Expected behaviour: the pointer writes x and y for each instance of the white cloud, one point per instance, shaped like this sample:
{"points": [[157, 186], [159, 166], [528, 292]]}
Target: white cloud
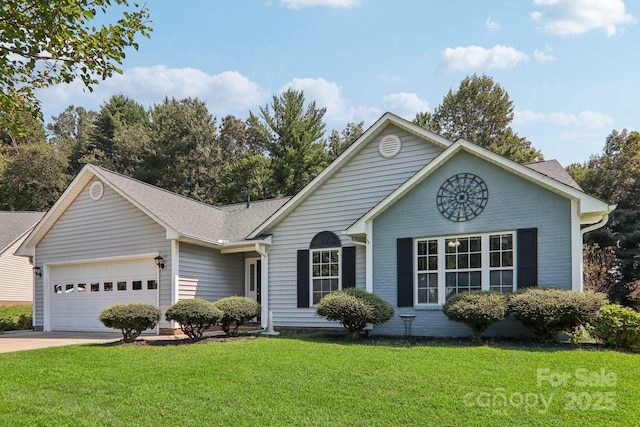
{"points": [[570, 17], [474, 57], [491, 25], [327, 94], [224, 93], [589, 120], [545, 55], [405, 104], [299, 4]]}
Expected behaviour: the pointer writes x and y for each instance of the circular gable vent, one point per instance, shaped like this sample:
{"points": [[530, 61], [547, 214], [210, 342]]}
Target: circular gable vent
{"points": [[96, 190], [389, 146]]}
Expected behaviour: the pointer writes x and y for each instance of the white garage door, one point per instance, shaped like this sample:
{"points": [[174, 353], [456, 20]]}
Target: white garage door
{"points": [[80, 292]]}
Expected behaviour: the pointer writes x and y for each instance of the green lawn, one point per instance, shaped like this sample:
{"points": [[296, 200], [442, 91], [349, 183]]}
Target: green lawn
{"points": [[297, 381], [10, 314]]}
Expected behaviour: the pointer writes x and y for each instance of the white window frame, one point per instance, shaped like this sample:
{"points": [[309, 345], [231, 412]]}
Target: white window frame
{"points": [[312, 277], [441, 271]]}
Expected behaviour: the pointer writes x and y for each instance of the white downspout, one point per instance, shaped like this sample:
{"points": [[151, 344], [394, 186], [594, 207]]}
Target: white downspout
{"points": [[595, 226], [266, 319]]}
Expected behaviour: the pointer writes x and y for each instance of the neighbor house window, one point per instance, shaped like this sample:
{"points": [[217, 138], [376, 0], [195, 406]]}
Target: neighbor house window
{"points": [[449, 265], [325, 272]]}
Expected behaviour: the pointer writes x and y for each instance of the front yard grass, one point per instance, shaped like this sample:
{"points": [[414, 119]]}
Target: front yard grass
{"points": [[301, 381]]}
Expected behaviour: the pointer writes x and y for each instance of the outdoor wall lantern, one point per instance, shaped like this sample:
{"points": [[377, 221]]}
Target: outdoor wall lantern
{"points": [[37, 271], [159, 262]]}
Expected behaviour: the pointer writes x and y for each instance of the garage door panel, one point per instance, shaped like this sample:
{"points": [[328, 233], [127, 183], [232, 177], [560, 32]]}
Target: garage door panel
{"points": [[80, 292]]}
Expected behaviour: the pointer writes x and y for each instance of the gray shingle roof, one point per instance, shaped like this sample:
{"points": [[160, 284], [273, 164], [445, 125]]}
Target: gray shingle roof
{"points": [[14, 225], [553, 169], [191, 218]]}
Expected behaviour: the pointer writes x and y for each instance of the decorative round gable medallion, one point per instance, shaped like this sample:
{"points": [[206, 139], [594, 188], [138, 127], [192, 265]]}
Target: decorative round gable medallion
{"points": [[96, 190], [389, 146], [462, 197]]}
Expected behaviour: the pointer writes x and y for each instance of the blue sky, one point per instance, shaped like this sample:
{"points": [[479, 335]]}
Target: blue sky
{"points": [[570, 66]]}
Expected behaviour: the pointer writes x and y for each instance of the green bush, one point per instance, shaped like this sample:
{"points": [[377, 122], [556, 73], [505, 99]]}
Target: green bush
{"points": [[355, 309], [236, 311], [476, 309], [14, 317], [548, 311], [194, 316], [617, 326], [131, 319], [382, 310]]}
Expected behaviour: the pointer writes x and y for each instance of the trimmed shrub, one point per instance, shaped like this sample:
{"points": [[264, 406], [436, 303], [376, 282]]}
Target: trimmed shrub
{"points": [[476, 309], [617, 326], [195, 316], [355, 309], [131, 319], [236, 311], [548, 311], [382, 310]]}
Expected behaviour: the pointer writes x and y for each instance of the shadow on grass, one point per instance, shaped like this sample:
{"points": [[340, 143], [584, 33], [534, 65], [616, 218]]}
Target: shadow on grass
{"points": [[341, 337]]}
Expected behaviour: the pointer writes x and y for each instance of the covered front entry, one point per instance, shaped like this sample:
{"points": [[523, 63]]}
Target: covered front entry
{"points": [[79, 292], [253, 282]]}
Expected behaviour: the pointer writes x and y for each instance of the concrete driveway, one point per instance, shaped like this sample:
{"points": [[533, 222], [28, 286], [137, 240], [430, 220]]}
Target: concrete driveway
{"points": [[30, 340]]}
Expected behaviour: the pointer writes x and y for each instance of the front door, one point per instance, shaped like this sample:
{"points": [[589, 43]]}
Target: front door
{"points": [[252, 278]]}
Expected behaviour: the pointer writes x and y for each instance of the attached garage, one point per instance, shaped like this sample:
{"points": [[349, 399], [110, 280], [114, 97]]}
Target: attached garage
{"points": [[79, 292]]}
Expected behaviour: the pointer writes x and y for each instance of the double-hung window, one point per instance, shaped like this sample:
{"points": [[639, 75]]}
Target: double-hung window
{"points": [[449, 265], [325, 272]]}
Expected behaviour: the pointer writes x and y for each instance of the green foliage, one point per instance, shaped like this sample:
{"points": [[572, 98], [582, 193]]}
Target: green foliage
{"points": [[183, 137], [549, 311], [617, 326], [382, 310], [71, 133], [236, 311], [293, 138], [46, 43], [355, 309], [33, 177], [480, 111], [614, 176], [339, 142], [131, 319], [195, 316], [476, 309]]}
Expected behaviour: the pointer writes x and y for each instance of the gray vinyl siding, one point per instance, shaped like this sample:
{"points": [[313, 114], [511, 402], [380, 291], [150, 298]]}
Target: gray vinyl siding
{"points": [[354, 189], [513, 203], [207, 274], [109, 227]]}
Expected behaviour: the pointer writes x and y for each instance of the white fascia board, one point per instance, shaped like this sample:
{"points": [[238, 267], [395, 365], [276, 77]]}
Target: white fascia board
{"points": [[384, 121], [587, 203], [131, 200], [68, 196]]}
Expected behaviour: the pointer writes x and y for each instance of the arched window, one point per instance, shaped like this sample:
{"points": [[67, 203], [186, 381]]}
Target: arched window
{"points": [[323, 268]]}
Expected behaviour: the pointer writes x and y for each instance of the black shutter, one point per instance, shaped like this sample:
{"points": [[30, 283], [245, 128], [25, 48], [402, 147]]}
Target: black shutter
{"points": [[348, 267], [527, 258], [405, 272], [303, 278]]}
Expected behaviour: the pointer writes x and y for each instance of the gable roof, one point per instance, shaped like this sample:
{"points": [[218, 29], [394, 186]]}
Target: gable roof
{"points": [[181, 217], [387, 119], [553, 169], [14, 225], [591, 211]]}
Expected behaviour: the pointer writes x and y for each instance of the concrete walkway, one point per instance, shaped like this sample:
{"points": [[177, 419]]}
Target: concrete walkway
{"points": [[30, 340]]}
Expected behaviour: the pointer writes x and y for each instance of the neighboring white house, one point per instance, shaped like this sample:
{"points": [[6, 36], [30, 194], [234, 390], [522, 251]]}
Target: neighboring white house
{"points": [[16, 274], [403, 213]]}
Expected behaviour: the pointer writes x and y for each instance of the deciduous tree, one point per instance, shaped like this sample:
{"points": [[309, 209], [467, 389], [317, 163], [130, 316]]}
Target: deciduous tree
{"points": [[48, 42]]}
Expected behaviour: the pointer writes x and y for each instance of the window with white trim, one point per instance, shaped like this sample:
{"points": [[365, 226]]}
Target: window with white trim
{"points": [[449, 265], [325, 272], [501, 262]]}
